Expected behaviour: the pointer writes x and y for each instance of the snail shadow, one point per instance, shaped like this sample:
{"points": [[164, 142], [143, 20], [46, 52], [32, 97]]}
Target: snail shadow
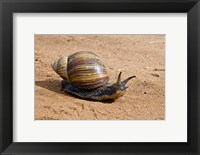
{"points": [[55, 86]]}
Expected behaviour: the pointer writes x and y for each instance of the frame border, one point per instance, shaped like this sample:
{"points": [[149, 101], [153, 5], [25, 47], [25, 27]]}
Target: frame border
{"points": [[8, 7]]}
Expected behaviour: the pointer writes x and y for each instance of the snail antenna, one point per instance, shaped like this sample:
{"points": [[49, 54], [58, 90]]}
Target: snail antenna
{"points": [[119, 78], [125, 81]]}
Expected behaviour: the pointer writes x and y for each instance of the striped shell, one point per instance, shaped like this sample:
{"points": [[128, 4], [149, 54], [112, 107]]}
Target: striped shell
{"points": [[82, 69], [60, 67]]}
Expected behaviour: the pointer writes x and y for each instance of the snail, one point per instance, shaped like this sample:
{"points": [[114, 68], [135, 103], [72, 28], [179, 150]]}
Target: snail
{"points": [[85, 76]]}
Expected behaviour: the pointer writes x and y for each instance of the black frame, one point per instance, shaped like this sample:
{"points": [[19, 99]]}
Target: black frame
{"points": [[8, 7]]}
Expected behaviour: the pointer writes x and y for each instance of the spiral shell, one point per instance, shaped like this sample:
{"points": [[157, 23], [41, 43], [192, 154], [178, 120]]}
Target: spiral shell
{"points": [[60, 67], [83, 69]]}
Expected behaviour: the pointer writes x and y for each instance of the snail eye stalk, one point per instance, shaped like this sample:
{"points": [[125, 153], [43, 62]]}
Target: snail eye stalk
{"points": [[119, 78], [125, 81]]}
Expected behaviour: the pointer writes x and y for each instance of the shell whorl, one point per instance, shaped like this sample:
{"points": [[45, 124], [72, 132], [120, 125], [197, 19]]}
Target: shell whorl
{"points": [[83, 69], [60, 67]]}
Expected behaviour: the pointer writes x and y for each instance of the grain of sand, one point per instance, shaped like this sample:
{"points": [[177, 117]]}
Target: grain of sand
{"points": [[139, 55]]}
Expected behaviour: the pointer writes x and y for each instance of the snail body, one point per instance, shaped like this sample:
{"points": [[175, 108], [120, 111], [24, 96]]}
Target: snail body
{"points": [[85, 76], [105, 92]]}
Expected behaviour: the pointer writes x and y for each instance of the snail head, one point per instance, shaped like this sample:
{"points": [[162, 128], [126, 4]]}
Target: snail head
{"points": [[121, 85]]}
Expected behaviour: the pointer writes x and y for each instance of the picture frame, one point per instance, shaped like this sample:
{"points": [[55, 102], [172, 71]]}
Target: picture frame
{"points": [[8, 7]]}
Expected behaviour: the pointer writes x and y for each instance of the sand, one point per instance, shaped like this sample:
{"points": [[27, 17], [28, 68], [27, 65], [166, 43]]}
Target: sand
{"points": [[139, 55]]}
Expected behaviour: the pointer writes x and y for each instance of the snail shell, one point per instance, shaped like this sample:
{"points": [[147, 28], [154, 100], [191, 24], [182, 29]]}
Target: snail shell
{"points": [[82, 69]]}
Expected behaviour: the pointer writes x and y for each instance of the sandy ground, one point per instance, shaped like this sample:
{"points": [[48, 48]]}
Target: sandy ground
{"points": [[139, 55]]}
